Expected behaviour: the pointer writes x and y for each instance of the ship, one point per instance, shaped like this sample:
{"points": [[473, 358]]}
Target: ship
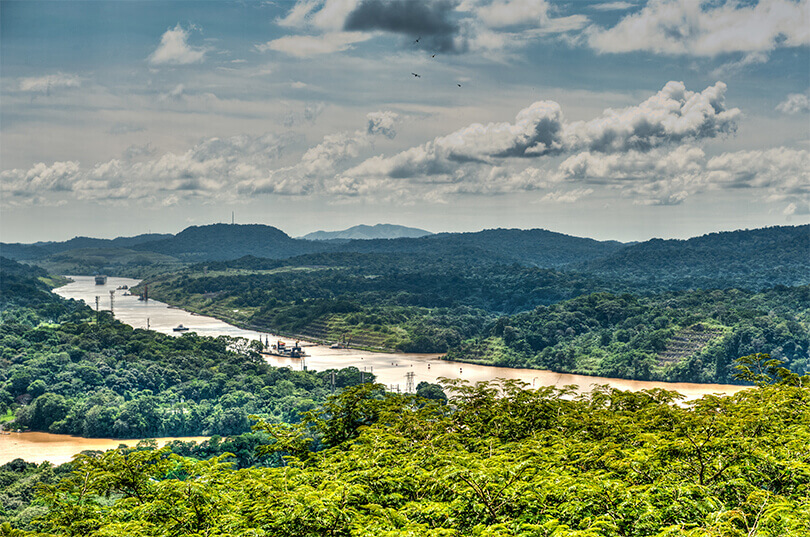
{"points": [[180, 328], [101, 279], [281, 349]]}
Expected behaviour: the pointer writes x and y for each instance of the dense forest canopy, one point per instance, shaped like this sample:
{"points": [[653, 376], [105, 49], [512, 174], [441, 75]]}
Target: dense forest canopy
{"points": [[495, 461]]}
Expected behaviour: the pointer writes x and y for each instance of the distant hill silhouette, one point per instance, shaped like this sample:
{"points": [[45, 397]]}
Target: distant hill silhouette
{"points": [[377, 231]]}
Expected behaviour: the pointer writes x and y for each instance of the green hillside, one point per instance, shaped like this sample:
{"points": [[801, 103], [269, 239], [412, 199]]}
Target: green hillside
{"points": [[685, 336]]}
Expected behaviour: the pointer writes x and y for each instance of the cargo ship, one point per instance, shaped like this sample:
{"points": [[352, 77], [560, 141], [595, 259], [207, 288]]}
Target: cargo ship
{"points": [[101, 279]]}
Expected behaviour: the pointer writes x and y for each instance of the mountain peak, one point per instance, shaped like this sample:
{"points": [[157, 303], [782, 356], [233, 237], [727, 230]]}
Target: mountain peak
{"points": [[365, 232]]}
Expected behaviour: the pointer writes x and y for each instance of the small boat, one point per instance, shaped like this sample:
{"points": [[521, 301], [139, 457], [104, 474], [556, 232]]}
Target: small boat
{"points": [[180, 328]]}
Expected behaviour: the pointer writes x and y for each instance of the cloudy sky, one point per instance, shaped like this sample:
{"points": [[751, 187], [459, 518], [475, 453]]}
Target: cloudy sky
{"points": [[608, 119]]}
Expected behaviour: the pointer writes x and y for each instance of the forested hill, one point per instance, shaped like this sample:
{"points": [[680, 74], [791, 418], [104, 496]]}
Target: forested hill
{"points": [[753, 259], [219, 242], [538, 247], [39, 250], [689, 336], [750, 259]]}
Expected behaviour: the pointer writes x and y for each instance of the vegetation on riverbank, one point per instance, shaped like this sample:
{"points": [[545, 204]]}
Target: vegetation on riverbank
{"points": [[471, 312], [69, 370], [398, 302], [496, 461], [687, 336]]}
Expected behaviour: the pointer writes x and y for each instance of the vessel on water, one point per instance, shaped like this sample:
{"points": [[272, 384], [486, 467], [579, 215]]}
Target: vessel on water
{"points": [[280, 348], [101, 279], [181, 328]]}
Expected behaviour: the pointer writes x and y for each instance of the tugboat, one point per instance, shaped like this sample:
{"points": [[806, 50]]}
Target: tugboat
{"points": [[101, 279], [180, 328]]}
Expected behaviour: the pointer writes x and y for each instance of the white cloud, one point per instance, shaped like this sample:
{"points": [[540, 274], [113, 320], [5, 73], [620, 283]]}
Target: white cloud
{"points": [[175, 93], [662, 178], [303, 46], [795, 103], [298, 15], [45, 84], [175, 50], [215, 168], [567, 196], [613, 6], [708, 27], [751, 58], [671, 116], [501, 13]]}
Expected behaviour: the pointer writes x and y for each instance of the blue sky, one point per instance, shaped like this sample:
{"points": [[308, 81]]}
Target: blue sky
{"points": [[615, 120]]}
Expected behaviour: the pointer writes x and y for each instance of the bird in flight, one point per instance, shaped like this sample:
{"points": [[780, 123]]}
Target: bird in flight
{"points": [[459, 85], [417, 39], [417, 76], [432, 55]]}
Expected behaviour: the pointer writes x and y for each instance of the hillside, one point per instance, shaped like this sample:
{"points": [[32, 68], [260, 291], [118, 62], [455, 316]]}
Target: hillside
{"points": [[218, 242], [690, 336], [39, 250], [112, 261], [363, 232], [537, 247], [754, 259]]}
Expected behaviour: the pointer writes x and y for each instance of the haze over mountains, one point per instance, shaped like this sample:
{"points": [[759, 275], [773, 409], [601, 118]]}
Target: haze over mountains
{"points": [[377, 231]]}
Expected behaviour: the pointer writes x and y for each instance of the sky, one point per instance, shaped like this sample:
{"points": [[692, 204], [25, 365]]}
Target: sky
{"points": [[621, 120]]}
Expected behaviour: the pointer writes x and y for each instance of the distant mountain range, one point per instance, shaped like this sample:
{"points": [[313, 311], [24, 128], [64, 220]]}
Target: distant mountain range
{"points": [[746, 258], [363, 232]]}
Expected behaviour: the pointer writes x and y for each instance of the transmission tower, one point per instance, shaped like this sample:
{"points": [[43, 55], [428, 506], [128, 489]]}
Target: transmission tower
{"points": [[112, 299], [409, 382]]}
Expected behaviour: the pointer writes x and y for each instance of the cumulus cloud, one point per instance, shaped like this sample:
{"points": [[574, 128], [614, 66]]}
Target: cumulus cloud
{"points": [[669, 178], [215, 168], [45, 84], [383, 123], [708, 27], [795, 103], [671, 116], [175, 50]]}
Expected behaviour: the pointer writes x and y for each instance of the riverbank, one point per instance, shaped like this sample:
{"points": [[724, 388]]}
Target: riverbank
{"points": [[391, 369], [61, 448]]}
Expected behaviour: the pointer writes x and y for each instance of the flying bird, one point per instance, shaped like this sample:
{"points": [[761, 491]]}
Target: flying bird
{"points": [[417, 76], [459, 85], [432, 55], [417, 39]]}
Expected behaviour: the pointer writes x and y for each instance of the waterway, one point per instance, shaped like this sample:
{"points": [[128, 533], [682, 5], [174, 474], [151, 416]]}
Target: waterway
{"points": [[390, 369], [60, 448]]}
